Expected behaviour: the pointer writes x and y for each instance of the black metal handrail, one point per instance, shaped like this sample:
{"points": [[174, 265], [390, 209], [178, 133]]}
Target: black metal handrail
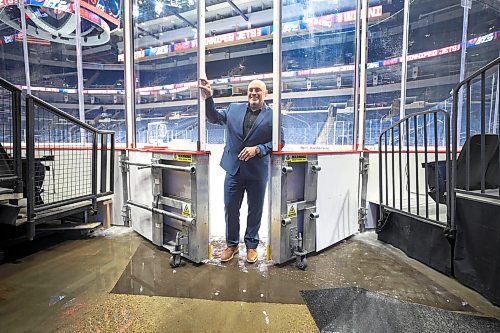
{"points": [[398, 135], [15, 92], [107, 145], [481, 73]]}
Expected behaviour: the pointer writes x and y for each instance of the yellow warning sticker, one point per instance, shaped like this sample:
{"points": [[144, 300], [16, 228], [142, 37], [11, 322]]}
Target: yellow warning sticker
{"points": [[296, 158], [292, 211], [183, 158], [186, 211]]}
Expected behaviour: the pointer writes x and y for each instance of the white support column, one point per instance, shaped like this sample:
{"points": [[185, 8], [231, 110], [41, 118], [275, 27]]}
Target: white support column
{"points": [[362, 75], [357, 58], [25, 48], [404, 60], [202, 128], [79, 68], [463, 53], [128, 45], [277, 68]]}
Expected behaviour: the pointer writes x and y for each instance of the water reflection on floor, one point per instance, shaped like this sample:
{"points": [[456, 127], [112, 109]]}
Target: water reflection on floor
{"points": [[65, 286], [352, 263]]}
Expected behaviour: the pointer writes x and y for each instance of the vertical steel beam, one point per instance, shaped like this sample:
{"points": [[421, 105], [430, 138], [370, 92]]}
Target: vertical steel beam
{"points": [[463, 54], [404, 56], [202, 135], [25, 48], [362, 73], [275, 186], [79, 68], [357, 59], [128, 44], [277, 68]]}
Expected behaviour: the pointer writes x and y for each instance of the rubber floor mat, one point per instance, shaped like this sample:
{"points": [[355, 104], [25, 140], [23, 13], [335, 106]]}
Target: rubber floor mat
{"points": [[356, 310]]}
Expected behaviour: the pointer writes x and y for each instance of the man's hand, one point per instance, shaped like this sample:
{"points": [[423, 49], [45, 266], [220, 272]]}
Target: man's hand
{"points": [[205, 88], [247, 153]]}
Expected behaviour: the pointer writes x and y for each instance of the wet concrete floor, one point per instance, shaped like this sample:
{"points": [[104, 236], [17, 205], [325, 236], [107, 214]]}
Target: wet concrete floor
{"points": [[352, 262], [117, 281]]}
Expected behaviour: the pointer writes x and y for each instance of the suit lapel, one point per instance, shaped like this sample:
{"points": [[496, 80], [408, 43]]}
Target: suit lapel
{"points": [[240, 118]]}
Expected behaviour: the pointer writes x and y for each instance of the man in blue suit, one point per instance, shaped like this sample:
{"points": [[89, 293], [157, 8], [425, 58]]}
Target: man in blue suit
{"points": [[246, 162]]}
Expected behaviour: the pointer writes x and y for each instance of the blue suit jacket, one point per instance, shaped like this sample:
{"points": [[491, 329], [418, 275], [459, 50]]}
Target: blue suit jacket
{"points": [[259, 135]]}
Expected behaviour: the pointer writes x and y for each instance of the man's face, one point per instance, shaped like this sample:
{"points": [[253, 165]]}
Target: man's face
{"points": [[256, 93]]}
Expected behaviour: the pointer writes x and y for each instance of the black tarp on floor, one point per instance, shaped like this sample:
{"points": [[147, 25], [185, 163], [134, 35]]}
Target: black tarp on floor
{"points": [[420, 240], [356, 310]]}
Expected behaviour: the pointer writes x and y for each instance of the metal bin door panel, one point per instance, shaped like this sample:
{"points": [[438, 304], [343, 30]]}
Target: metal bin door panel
{"points": [[295, 182], [176, 184]]}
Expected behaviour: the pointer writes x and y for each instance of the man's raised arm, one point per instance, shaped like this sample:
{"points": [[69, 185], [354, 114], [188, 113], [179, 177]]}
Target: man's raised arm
{"points": [[213, 116]]}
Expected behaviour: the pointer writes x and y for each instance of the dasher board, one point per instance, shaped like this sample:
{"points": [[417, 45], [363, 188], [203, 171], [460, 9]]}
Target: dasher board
{"points": [[337, 202]]}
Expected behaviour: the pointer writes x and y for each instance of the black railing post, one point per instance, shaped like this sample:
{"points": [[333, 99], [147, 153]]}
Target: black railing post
{"points": [[94, 170], [408, 177], [112, 164], [449, 186], [386, 171], [483, 128], [104, 161], [436, 158], [425, 170], [16, 131], [380, 189], [467, 135], [415, 132], [30, 156], [393, 174], [400, 136]]}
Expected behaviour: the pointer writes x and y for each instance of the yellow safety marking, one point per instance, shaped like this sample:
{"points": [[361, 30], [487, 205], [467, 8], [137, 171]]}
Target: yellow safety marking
{"points": [[183, 158], [292, 211], [186, 211], [296, 158], [268, 252], [209, 251]]}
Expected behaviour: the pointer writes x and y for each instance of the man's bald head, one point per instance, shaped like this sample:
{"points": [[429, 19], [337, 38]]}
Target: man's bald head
{"points": [[256, 93]]}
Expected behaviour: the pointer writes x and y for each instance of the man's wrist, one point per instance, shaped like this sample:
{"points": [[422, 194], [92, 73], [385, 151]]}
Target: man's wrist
{"points": [[257, 150]]}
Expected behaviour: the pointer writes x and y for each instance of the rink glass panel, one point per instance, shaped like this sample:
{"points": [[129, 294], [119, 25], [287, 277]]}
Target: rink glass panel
{"points": [[166, 80], [385, 47], [104, 99], [318, 54]]}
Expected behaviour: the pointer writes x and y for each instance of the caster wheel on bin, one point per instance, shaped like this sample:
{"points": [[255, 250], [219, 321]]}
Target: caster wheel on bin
{"points": [[175, 261], [302, 264]]}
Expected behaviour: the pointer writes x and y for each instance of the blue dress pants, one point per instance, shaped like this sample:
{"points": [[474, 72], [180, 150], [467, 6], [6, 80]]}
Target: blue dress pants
{"points": [[234, 189]]}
